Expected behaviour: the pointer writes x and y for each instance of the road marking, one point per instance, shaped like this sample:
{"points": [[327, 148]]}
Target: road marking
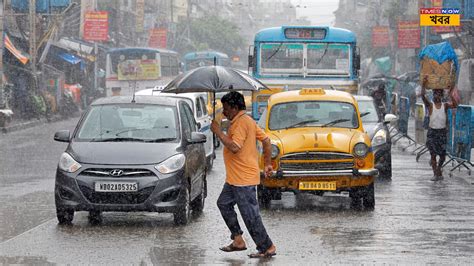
{"points": [[29, 230]]}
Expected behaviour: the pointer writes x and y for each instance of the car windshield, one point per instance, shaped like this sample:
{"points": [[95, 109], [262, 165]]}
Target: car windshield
{"points": [[129, 122], [368, 112], [313, 114]]}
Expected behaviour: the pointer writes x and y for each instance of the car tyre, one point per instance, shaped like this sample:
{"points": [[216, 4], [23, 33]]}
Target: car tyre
{"points": [[369, 197], [197, 205], [210, 162], [95, 217], [183, 213], [264, 197], [354, 194], [64, 216], [386, 173]]}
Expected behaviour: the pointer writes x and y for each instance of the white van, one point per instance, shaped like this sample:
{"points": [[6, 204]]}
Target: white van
{"points": [[203, 119]]}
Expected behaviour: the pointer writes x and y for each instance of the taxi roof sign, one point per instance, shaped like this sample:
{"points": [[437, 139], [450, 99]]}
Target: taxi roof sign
{"points": [[312, 91]]}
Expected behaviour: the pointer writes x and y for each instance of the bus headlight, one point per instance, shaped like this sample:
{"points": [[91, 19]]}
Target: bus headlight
{"points": [[360, 150], [379, 138]]}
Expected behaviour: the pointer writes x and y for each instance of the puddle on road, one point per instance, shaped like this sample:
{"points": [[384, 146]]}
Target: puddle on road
{"points": [[24, 261]]}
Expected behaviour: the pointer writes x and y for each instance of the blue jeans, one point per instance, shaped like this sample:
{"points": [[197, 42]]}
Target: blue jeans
{"points": [[246, 199]]}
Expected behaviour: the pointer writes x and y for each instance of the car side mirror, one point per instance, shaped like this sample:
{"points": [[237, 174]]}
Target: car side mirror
{"points": [[197, 137], [62, 136], [389, 118]]}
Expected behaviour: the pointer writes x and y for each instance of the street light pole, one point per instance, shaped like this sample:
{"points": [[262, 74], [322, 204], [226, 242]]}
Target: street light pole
{"points": [[32, 9]]}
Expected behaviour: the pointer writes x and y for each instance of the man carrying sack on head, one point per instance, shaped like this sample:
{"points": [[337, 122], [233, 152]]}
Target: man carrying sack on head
{"points": [[437, 131]]}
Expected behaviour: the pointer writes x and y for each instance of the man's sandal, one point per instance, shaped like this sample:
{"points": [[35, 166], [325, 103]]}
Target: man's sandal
{"points": [[232, 248]]}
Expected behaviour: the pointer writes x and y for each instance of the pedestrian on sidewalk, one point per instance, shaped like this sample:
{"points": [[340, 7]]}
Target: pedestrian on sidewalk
{"points": [[437, 131], [242, 176]]}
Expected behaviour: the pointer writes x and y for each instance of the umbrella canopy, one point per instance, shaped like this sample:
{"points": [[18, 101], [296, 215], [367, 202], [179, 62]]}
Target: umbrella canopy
{"points": [[213, 79]]}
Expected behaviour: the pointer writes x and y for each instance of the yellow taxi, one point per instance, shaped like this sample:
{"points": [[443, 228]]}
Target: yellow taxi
{"points": [[318, 145]]}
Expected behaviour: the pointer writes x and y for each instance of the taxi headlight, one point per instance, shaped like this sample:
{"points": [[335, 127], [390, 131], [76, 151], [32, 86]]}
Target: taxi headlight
{"points": [[275, 151], [361, 150], [172, 164], [68, 164], [379, 138]]}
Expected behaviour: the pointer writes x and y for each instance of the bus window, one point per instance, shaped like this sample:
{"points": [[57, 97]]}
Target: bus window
{"points": [[282, 58], [174, 64], [165, 65], [329, 57]]}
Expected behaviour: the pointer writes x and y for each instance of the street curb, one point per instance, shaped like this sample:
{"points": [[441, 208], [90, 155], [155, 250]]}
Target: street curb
{"points": [[33, 123]]}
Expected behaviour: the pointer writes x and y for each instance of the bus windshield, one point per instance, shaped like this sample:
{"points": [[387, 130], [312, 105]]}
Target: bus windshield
{"points": [[305, 59]]}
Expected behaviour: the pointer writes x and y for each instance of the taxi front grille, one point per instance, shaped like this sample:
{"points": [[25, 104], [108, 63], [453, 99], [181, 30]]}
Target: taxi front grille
{"points": [[314, 166], [318, 156]]}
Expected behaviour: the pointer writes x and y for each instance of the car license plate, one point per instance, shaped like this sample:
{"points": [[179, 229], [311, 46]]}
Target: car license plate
{"points": [[317, 186], [116, 187]]}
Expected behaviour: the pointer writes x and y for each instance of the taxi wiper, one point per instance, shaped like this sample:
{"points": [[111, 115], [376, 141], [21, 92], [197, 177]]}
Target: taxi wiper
{"points": [[337, 121], [364, 114], [117, 139], [302, 123], [159, 140]]}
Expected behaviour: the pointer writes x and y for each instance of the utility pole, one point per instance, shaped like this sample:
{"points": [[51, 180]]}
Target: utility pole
{"points": [[2, 100], [32, 9]]}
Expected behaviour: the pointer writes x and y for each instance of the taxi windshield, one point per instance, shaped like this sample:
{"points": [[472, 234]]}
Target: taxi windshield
{"points": [[130, 122], [368, 112], [313, 114]]}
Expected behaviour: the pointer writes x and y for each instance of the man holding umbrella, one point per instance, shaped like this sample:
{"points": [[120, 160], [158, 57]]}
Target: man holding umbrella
{"points": [[242, 176]]}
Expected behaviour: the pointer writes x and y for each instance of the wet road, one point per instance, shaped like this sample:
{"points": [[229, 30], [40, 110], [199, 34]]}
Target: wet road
{"points": [[414, 221]]}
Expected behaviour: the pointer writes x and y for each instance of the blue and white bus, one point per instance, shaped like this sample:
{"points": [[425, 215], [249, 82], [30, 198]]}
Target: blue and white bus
{"points": [[295, 57], [205, 58], [140, 68]]}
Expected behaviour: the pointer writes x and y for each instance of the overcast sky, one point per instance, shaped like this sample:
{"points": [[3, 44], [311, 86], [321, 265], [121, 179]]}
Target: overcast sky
{"points": [[319, 12]]}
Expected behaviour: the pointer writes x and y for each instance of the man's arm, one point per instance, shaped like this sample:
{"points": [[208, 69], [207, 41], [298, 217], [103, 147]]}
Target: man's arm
{"points": [[225, 139], [267, 156], [453, 103], [423, 93]]}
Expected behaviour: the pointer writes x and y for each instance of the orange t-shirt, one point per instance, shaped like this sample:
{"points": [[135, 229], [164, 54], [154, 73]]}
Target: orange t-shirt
{"points": [[242, 167]]}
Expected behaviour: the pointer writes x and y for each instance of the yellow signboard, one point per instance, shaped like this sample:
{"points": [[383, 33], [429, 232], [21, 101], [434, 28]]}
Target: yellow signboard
{"points": [[138, 70], [440, 20]]}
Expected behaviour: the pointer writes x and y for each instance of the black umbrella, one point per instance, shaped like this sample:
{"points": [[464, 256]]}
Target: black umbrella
{"points": [[213, 79]]}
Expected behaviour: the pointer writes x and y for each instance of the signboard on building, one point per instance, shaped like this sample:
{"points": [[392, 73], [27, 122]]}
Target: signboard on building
{"points": [[157, 38], [408, 34], [140, 16], [380, 36], [96, 26]]}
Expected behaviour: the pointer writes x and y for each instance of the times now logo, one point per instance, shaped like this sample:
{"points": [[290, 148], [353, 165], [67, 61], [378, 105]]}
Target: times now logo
{"points": [[444, 11]]}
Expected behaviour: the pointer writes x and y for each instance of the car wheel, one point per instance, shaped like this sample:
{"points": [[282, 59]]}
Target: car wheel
{"points": [[264, 197], [182, 214], [386, 173], [198, 203], [217, 143], [369, 197], [354, 194], [95, 217], [65, 216], [210, 162]]}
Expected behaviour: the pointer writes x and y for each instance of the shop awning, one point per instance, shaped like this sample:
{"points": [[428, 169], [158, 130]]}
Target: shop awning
{"points": [[72, 59], [17, 53]]}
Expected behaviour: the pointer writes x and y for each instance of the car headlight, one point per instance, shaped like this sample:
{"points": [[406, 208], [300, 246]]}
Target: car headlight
{"points": [[172, 164], [379, 138], [361, 150], [275, 151], [68, 164]]}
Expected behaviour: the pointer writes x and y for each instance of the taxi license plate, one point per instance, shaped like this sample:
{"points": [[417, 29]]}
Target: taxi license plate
{"points": [[116, 187], [317, 186]]}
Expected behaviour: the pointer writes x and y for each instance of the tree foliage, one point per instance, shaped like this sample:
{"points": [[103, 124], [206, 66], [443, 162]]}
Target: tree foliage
{"points": [[209, 33]]}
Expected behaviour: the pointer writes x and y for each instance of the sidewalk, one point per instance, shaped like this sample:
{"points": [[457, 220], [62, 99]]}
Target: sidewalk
{"points": [[19, 124]]}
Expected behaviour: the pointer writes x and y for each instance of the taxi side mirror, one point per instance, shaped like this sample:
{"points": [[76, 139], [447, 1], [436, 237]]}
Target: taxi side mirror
{"points": [[389, 118]]}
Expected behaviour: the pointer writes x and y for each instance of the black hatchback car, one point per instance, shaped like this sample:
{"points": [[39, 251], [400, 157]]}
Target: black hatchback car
{"points": [[141, 155], [375, 125]]}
